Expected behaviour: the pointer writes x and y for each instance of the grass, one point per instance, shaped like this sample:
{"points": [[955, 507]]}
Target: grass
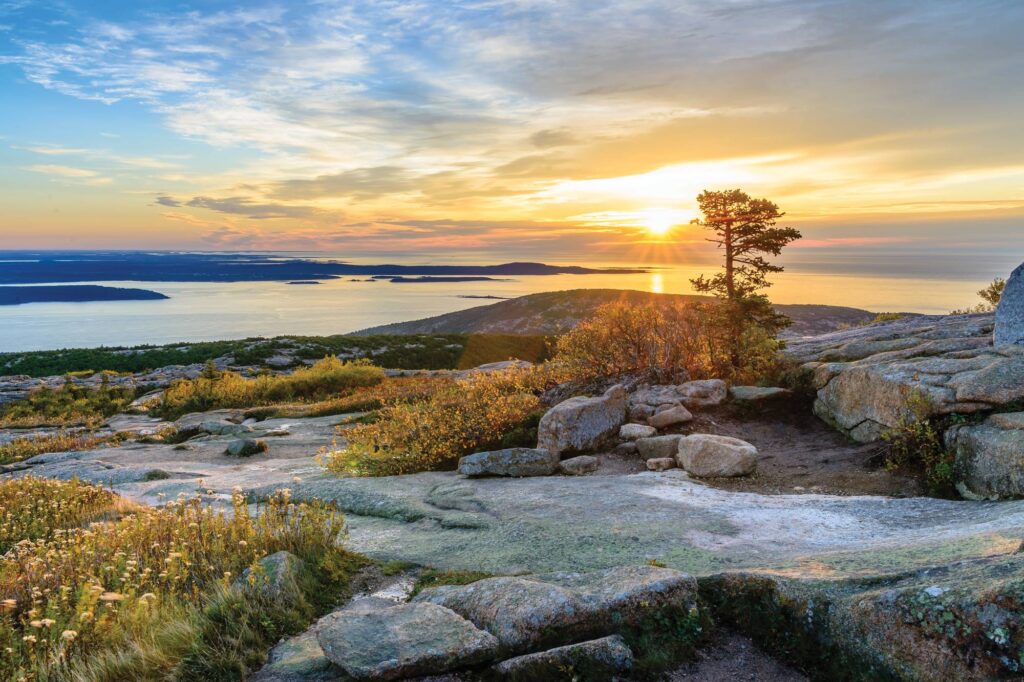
{"points": [[93, 588], [70, 405], [432, 577], [214, 389], [22, 448]]}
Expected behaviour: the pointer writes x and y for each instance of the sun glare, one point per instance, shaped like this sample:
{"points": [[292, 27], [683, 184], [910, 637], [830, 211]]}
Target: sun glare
{"points": [[660, 221]]}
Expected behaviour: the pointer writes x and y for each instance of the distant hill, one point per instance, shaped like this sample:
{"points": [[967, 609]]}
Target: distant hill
{"points": [[555, 312], [73, 293]]}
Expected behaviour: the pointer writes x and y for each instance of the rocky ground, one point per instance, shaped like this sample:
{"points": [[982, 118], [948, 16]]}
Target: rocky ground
{"points": [[819, 556]]}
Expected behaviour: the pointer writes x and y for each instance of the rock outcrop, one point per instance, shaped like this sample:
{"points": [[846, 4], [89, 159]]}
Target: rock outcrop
{"points": [[1009, 329], [989, 457], [582, 424]]}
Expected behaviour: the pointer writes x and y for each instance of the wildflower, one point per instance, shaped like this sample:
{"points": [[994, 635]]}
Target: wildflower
{"points": [[68, 635], [111, 597]]}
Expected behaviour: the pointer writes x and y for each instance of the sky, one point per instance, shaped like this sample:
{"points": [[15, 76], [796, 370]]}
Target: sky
{"points": [[496, 130]]}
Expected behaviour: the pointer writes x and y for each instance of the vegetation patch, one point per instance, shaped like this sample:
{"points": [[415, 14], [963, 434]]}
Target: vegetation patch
{"points": [[432, 577], [144, 595], [215, 389], [69, 405], [916, 442], [20, 449], [458, 418]]}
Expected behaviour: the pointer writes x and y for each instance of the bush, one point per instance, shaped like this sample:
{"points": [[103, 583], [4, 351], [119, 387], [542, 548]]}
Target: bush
{"points": [[362, 399], [699, 337], [916, 441], [22, 448], [67, 406], [458, 418], [215, 389], [134, 597]]}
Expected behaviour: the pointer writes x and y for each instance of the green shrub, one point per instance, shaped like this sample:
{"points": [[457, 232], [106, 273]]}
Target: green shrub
{"points": [[916, 441]]}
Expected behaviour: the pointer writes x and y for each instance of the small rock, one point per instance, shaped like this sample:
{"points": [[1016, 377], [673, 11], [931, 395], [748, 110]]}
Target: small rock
{"points": [[577, 466], [634, 431], [935, 591], [245, 447], [598, 659], [758, 394], [625, 449], [714, 456], [640, 412], [670, 417], [371, 642], [658, 446], [277, 574], [661, 464], [515, 462]]}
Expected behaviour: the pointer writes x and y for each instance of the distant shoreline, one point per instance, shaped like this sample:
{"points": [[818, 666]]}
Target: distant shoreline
{"points": [[74, 293], [45, 267]]}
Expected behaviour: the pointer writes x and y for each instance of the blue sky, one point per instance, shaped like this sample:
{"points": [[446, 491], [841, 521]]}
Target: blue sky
{"points": [[567, 129]]}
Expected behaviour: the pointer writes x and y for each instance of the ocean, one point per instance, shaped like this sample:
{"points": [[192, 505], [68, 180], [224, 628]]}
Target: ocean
{"points": [[203, 311]]}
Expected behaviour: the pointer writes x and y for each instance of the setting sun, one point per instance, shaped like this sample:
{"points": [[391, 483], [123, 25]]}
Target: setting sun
{"points": [[660, 221]]}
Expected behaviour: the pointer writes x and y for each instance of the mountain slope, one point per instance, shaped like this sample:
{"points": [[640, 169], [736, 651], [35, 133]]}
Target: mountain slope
{"points": [[554, 312]]}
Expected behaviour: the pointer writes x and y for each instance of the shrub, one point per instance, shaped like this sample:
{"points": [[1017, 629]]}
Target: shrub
{"points": [[132, 598], [362, 399], [215, 389], [915, 441], [67, 406], [698, 337], [456, 419], [22, 448]]}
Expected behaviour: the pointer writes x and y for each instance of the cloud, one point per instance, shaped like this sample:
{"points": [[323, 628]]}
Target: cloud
{"points": [[165, 200], [357, 183], [63, 171], [257, 211]]}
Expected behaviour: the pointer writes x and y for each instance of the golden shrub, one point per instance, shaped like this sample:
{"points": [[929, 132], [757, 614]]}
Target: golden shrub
{"points": [[432, 433]]}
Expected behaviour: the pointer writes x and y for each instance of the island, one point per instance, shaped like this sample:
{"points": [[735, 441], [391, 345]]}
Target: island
{"points": [[74, 293]]}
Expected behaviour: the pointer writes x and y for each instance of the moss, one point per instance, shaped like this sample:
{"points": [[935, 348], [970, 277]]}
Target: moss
{"points": [[432, 577], [667, 637]]}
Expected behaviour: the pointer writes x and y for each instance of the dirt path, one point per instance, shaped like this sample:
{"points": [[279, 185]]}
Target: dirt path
{"points": [[731, 659], [799, 454]]}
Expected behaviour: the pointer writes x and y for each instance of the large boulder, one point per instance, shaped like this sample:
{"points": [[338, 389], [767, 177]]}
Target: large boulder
{"points": [[712, 456], [535, 612], [581, 424], [370, 641], [658, 446], [989, 457], [599, 659], [516, 462], [1009, 329]]}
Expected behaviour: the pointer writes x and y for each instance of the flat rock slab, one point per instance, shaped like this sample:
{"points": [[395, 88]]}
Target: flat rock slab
{"points": [[536, 525], [371, 642]]}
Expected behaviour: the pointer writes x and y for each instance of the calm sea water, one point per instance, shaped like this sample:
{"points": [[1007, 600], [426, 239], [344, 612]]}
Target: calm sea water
{"points": [[213, 311]]}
